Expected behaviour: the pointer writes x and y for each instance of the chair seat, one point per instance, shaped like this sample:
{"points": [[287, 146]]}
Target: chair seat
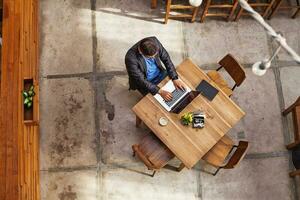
{"points": [[217, 155], [221, 83], [155, 151]]}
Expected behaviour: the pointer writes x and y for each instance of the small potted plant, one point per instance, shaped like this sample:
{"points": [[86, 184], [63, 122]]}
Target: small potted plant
{"points": [[28, 102], [187, 119]]}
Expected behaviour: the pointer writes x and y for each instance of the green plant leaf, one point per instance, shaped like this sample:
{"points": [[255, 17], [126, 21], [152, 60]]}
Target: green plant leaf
{"points": [[25, 94], [190, 118], [30, 98], [29, 104], [26, 100], [31, 88], [30, 93]]}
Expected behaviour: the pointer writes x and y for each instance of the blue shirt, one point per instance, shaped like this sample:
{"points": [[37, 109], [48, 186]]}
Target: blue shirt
{"points": [[152, 69]]}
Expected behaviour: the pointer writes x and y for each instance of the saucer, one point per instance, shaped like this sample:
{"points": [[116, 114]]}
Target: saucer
{"points": [[163, 121]]}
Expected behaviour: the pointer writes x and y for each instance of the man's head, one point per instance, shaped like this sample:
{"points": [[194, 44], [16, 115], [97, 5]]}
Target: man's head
{"points": [[148, 47]]}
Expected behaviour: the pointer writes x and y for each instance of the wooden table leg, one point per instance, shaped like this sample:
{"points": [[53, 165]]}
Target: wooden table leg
{"points": [[181, 166], [153, 4], [138, 121]]}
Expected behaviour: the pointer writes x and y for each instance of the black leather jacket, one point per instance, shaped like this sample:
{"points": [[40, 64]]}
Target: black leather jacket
{"points": [[137, 69]]}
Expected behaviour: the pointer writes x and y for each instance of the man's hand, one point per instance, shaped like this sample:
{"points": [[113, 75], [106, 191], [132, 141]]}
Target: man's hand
{"points": [[178, 84], [167, 96]]}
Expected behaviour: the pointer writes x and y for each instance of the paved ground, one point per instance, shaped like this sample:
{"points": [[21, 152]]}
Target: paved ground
{"points": [[87, 127]]}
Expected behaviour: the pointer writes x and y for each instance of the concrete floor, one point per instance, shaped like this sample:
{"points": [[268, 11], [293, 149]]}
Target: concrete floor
{"points": [[87, 126]]}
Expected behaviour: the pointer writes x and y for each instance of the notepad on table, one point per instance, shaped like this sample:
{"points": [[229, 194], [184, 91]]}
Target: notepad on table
{"points": [[207, 90]]}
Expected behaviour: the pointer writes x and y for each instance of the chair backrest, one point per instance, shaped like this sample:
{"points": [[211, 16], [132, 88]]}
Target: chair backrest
{"points": [[234, 69], [294, 106], [153, 152], [238, 155]]}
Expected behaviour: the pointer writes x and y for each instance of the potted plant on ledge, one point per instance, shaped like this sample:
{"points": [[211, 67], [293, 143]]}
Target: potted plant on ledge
{"points": [[28, 95]]}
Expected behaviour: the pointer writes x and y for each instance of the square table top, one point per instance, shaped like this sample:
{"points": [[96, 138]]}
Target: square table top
{"points": [[187, 143]]}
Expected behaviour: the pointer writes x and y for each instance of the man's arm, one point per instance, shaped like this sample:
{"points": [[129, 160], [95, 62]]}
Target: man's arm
{"points": [[165, 58], [135, 73]]}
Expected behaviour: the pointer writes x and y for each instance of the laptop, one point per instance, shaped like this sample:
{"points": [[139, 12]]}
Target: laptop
{"points": [[182, 98], [178, 96]]}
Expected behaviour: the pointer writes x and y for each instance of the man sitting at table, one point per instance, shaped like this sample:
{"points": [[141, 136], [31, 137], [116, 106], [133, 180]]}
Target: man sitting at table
{"points": [[143, 64]]}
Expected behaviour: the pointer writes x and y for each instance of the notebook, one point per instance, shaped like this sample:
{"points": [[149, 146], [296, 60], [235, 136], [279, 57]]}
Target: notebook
{"points": [[207, 90]]}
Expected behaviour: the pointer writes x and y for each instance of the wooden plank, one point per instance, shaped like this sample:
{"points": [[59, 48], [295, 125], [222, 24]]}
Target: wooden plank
{"points": [[19, 164], [12, 125]]}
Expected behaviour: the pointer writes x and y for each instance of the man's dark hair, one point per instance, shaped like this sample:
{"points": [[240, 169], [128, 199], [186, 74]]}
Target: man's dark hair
{"points": [[148, 47]]}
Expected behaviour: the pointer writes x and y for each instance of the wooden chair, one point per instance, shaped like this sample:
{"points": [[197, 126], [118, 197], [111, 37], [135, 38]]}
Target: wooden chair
{"points": [[234, 69], [295, 109], [278, 5], [266, 7], [153, 153], [218, 154], [170, 7], [208, 5]]}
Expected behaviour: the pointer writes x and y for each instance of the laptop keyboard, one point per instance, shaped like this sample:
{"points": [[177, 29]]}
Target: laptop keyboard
{"points": [[176, 94]]}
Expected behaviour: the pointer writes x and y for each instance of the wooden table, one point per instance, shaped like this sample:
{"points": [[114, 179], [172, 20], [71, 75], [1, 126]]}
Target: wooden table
{"points": [[189, 144]]}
